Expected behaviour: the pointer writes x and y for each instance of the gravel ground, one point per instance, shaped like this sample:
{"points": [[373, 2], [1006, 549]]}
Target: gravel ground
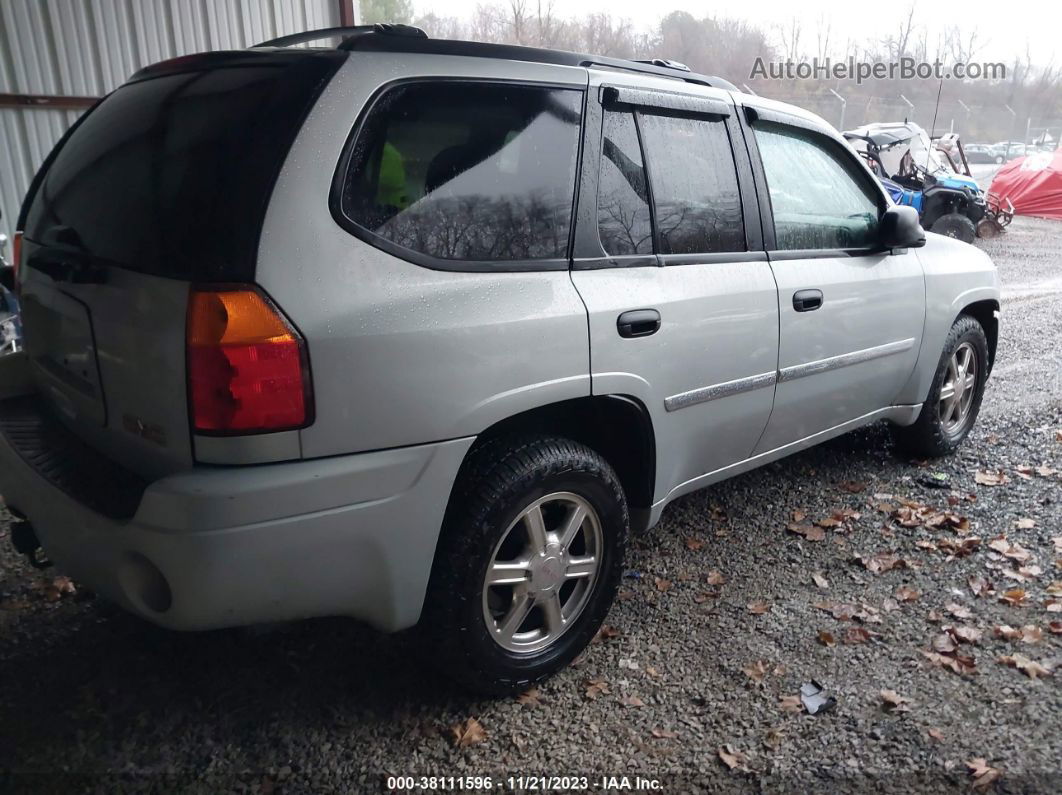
{"points": [[93, 699]]}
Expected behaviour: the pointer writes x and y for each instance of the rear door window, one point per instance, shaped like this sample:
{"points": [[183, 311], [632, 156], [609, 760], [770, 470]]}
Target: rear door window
{"points": [[452, 172], [694, 184], [623, 218]]}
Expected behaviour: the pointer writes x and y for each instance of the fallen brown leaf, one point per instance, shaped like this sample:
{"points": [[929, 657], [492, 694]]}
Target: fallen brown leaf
{"points": [[1015, 597], [662, 585], [856, 635], [979, 586], [632, 701], [957, 610], [790, 704], [715, 578], [529, 698], [907, 594], [1053, 605], [1025, 523], [809, 532], [983, 775], [1055, 589], [733, 759], [596, 687], [758, 607], [997, 478], [468, 733], [964, 634], [957, 663], [853, 486], [607, 632], [892, 701], [756, 671], [936, 734], [694, 543], [826, 638], [820, 581], [772, 740], [664, 734], [943, 643], [1030, 668], [1054, 627], [882, 562], [958, 547]]}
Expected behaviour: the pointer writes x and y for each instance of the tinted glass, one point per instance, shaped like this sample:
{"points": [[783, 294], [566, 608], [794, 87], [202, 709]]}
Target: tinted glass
{"points": [[622, 199], [818, 199], [467, 171], [694, 181], [171, 175]]}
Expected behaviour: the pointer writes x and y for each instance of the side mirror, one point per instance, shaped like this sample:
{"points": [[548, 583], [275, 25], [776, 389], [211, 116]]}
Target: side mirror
{"points": [[900, 228]]}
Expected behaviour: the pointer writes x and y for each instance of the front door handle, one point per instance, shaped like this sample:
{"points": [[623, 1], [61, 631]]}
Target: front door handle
{"points": [[638, 323], [807, 300]]}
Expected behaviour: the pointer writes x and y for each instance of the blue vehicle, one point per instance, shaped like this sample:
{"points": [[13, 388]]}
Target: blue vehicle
{"points": [[923, 174]]}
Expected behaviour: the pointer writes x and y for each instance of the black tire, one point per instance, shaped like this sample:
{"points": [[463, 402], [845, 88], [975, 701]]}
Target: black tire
{"points": [[497, 483], [928, 437], [957, 226]]}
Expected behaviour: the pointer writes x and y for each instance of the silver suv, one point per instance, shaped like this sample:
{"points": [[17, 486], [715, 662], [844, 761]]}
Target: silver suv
{"points": [[417, 331]]}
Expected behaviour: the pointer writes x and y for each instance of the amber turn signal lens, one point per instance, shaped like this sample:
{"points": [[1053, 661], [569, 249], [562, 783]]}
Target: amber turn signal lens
{"points": [[247, 365]]}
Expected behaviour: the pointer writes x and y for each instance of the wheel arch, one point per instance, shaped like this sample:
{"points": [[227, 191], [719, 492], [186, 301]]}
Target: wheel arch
{"points": [[616, 426], [986, 313]]}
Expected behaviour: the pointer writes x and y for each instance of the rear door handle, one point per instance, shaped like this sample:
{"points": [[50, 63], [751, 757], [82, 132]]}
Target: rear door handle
{"points": [[638, 323], [807, 300]]}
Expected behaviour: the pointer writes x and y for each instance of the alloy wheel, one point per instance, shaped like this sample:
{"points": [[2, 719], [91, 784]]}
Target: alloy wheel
{"points": [[542, 572]]}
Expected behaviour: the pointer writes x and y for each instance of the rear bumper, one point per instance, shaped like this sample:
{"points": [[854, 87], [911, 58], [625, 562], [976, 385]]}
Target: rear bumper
{"points": [[228, 546]]}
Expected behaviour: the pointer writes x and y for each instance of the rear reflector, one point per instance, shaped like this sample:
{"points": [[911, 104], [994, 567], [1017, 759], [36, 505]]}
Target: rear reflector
{"points": [[247, 366]]}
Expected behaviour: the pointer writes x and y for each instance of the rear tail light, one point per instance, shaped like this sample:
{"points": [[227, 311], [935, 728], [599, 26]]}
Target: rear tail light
{"points": [[248, 371]]}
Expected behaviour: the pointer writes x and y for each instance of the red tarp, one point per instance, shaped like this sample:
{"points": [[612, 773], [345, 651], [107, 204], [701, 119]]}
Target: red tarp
{"points": [[1033, 184]]}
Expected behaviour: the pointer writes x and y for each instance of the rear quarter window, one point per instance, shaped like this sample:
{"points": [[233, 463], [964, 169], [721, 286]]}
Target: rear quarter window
{"points": [[456, 172]]}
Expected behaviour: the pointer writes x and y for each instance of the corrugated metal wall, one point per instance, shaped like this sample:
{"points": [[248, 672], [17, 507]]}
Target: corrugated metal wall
{"points": [[88, 47]]}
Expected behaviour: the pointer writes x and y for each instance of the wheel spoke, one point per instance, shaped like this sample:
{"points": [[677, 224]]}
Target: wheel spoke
{"points": [[551, 611], [572, 526], [580, 567], [536, 529], [508, 572], [970, 383], [522, 604], [947, 392]]}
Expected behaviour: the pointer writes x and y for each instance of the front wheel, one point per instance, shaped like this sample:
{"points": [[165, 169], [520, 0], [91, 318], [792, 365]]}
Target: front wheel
{"points": [[955, 395], [528, 563]]}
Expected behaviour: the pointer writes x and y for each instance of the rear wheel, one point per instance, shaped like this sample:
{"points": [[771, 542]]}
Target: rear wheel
{"points": [[528, 563], [955, 395], [957, 226]]}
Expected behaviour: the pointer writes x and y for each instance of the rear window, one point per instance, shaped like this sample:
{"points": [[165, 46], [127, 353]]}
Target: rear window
{"points": [[171, 175], [459, 171]]}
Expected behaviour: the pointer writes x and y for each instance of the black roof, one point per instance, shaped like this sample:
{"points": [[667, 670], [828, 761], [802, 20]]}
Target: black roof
{"points": [[408, 39]]}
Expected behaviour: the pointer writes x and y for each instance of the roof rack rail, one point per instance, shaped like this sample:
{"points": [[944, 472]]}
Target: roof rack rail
{"points": [[383, 37], [667, 63], [346, 31]]}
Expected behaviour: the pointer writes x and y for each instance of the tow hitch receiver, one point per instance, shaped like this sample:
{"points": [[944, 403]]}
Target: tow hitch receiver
{"points": [[26, 542]]}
